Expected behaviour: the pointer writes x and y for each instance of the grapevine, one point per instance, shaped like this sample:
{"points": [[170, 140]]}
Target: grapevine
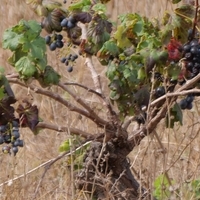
{"points": [[145, 61]]}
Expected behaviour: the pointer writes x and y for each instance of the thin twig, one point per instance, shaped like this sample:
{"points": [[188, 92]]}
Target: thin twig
{"points": [[85, 87], [46, 164], [58, 128]]}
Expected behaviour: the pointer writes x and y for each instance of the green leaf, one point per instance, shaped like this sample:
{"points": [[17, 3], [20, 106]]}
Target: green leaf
{"points": [[127, 73], [25, 67], [79, 5], [111, 70], [175, 1], [2, 70], [176, 115], [99, 8], [2, 94], [35, 26], [138, 28], [16, 56], [65, 146], [141, 74], [161, 186], [120, 36], [110, 47], [11, 40], [49, 77]]}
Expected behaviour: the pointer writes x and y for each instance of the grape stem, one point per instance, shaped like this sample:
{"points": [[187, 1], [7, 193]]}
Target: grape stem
{"points": [[195, 18]]}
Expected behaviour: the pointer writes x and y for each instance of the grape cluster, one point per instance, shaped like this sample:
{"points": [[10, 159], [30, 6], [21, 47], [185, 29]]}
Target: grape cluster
{"points": [[186, 103], [68, 23], [9, 134], [68, 61], [191, 56], [54, 41]]}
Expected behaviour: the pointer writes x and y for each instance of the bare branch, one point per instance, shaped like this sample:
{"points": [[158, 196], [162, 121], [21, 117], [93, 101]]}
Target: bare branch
{"points": [[74, 131], [85, 87], [101, 95], [91, 115], [95, 76], [95, 117], [88, 61]]}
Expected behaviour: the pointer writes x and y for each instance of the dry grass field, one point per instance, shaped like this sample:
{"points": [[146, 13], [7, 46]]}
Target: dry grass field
{"points": [[178, 156]]}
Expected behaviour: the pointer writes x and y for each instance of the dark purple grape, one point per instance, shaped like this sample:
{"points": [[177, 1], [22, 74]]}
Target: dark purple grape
{"points": [[52, 46], [189, 106], [190, 99], [70, 25], [194, 50], [15, 134], [160, 91], [74, 57], [183, 104], [190, 65], [3, 128], [14, 150], [48, 39], [66, 62], [194, 42], [1, 139], [190, 34], [186, 48], [62, 60], [70, 69], [64, 22], [7, 138], [188, 55], [59, 44], [15, 124], [72, 20], [18, 143], [69, 57], [59, 37], [197, 65]]}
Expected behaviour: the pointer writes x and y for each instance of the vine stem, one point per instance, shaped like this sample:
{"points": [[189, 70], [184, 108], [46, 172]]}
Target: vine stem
{"points": [[195, 18], [88, 60]]}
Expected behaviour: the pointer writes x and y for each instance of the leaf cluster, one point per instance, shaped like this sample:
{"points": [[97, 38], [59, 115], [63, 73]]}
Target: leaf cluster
{"points": [[29, 52]]}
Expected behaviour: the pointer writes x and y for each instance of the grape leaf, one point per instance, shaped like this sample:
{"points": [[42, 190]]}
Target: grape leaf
{"points": [[35, 26], [16, 56], [83, 17], [79, 5], [110, 48], [175, 1], [11, 40], [122, 40], [176, 115], [99, 8], [28, 114], [65, 146], [25, 67], [49, 77]]}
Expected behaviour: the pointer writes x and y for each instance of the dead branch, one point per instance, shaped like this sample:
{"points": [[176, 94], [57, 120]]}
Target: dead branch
{"points": [[57, 128], [91, 115]]}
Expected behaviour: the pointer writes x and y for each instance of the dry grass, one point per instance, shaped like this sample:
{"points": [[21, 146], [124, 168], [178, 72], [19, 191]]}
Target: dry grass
{"points": [[182, 157]]}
